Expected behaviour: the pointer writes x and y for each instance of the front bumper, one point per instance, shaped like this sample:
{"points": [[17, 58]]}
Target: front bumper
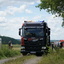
{"points": [[33, 50], [23, 51]]}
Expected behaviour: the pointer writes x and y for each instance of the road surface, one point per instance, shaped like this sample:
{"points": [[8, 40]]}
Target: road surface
{"points": [[28, 61], [33, 60], [5, 60]]}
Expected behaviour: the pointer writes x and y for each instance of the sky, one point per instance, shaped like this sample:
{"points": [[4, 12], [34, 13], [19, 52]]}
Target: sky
{"points": [[14, 12]]}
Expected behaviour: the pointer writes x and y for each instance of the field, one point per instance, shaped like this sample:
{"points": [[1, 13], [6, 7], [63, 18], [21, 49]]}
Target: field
{"points": [[5, 52], [16, 47]]}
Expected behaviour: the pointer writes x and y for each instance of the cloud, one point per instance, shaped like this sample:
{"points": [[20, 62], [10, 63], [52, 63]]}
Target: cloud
{"points": [[37, 17], [2, 13], [11, 9], [3, 22], [3, 25], [11, 26], [2, 19], [28, 11], [38, 1], [17, 2], [56, 28], [13, 23]]}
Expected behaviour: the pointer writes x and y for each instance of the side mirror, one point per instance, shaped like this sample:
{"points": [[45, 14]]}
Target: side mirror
{"points": [[20, 31], [48, 31]]}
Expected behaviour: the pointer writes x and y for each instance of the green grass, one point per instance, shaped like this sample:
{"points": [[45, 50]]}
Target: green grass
{"points": [[20, 60], [54, 57], [5, 52], [17, 47]]}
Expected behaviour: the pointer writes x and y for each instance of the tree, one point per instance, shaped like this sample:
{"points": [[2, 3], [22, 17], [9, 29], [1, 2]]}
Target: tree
{"points": [[53, 6]]}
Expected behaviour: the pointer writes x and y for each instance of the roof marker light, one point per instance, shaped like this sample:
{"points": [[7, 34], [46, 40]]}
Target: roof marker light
{"points": [[40, 21], [29, 21]]}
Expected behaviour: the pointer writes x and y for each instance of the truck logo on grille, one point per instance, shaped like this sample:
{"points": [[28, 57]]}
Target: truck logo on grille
{"points": [[35, 40]]}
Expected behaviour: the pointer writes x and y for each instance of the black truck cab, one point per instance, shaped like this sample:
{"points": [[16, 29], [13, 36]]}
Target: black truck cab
{"points": [[35, 37]]}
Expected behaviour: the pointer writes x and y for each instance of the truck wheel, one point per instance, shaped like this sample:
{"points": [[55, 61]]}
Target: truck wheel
{"points": [[24, 54]]}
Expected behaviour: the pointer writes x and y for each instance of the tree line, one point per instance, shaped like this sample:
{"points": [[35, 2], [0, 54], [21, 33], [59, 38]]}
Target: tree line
{"points": [[6, 39]]}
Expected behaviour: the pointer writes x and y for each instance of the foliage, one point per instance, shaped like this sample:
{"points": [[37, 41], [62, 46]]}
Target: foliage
{"points": [[6, 39], [53, 57], [6, 52], [53, 6], [1, 54]]}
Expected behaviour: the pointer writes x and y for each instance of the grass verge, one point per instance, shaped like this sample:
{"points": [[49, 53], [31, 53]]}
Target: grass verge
{"points": [[5, 52], [54, 57]]}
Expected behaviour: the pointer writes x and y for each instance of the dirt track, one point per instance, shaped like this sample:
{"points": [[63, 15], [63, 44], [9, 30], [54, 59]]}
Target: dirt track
{"points": [[5, 60], [32, 61]]}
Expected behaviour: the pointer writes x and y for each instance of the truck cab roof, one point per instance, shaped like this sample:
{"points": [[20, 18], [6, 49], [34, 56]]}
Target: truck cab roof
{"points": [[31, 23]]}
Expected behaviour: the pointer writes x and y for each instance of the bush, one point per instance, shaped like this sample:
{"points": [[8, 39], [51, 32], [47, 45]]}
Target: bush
{"points": [[53, 57], [1, 54], [6, 52]]}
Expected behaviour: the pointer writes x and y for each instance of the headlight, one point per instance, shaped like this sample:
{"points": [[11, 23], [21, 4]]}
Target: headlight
{"points": [[41, 38], [43, 47], [22, 47]]}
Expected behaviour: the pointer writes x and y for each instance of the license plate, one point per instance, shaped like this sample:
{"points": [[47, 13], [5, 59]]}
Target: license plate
{"points": [[35, 40], [32, 52]]}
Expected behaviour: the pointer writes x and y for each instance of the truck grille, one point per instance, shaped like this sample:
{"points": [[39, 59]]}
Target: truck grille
{"points": [[34, 46]]}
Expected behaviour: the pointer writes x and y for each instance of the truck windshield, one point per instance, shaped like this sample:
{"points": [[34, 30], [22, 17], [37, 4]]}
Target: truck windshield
{"points": [[33, 32]]}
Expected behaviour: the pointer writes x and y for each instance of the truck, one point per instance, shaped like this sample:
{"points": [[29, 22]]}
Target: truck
{"points": [[35, 37], [61, 43]]}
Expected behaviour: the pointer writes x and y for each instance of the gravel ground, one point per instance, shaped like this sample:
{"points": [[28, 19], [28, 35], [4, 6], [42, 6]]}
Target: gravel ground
{"points": [[33, 60]]}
